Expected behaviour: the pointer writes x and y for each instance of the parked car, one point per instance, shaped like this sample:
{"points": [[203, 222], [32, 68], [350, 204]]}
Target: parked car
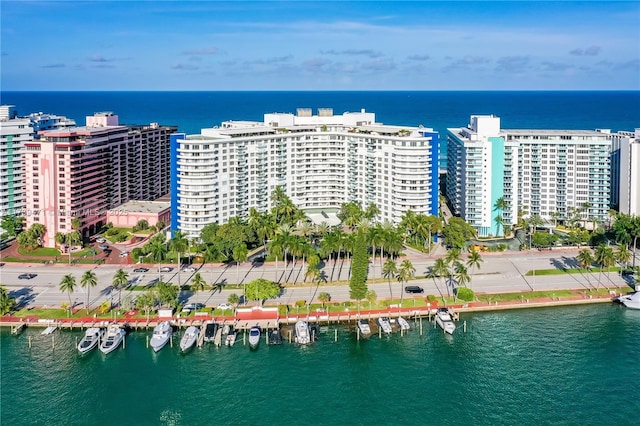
{"points": [[193, 306], [103, 247], [101, 240], [141, 270], [27, 276], [166, 269], [627, 272], [225, 306], [413, 289], [124, 254]]}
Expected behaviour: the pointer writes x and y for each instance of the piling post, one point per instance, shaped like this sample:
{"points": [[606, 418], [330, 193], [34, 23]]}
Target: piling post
{"points": [[313, 335], [289, 336], [147, 341], [29, 342], [171, 341], [76, 341], [421, 326], [357, 333], [464, 326], [380, 332], [244, 337], [335, 335], [124, 342], [53, 341], [266, 337]]}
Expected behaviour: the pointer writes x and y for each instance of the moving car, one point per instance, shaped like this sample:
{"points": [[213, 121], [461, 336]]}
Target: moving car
{"points": [[225, 306], [166, 269], [189, 269], [27, 276], [413, 289], [141, 270]]}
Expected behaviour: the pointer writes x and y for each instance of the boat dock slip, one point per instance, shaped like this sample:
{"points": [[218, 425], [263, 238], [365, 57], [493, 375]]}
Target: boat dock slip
{"points": [[217, 340], [49, 330], [18, 328]]}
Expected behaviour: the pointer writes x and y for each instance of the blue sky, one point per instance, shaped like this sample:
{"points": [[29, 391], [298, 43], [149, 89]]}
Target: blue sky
{"points": [[305, 45]]}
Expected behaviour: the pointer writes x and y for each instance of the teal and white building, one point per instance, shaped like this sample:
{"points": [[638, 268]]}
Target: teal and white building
{"points": [[320, 161], [549, 173], [625, 172]]}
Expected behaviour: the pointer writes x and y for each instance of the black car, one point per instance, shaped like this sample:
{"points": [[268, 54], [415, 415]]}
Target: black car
{"points": [[627, 272], [141, 270], [413, 289], [27, 276]]}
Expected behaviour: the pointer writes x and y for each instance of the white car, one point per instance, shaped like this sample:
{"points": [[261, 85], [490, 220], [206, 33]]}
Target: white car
{"points": [[101, 240], [225, 306], [189, 269]]}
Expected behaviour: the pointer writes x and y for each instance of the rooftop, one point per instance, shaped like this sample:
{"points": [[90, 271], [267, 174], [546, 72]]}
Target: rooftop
{"points": [[144, 206]]}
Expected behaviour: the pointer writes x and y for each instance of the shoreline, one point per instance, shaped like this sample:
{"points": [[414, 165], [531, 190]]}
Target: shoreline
{"points": [[315, 317]]}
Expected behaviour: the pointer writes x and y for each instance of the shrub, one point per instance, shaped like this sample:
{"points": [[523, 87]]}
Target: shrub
{"points": [[301, 303], [431, 298], [465, 294]]}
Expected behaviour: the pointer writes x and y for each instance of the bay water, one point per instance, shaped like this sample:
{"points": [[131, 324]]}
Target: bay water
{"points": [[563, 365]]}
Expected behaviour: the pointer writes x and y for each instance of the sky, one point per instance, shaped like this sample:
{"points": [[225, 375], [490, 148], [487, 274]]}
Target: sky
{"points": [[319, 45]]}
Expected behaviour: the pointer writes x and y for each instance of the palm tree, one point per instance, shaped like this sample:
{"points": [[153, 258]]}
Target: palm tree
{"points": [[73, 238], [405, 273], [197, 284], [461, 274], [88, 280], [324, 298], [585, 260], [67, 285], [239, 255], [501, 205], [120, 281], [390, 271], [474, 260], [453, 257], [7, 303], [623, 255], [179, 244], [441, 270], [158, 250], [604, 257]]}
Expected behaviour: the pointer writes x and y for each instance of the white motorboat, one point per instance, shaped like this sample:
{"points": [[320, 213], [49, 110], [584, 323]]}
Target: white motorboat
{"points": [[113, 337], [631, 300], [385, 325], [230, 340], [161, 335], [189, 338], [303, 333], [403, 324], [363, 326], [444, 320], [90, 340], [254, 336]]}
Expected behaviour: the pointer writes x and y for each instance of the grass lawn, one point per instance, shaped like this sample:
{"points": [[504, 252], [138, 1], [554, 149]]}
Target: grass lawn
{"points": [[541, 272], [42, 251]]}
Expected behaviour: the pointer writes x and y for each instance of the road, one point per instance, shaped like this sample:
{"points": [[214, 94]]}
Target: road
{"points": [[499, 272]]}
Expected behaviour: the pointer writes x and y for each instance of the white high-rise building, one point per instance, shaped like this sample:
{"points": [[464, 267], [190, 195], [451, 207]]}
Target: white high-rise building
{"points": [[321, 161], [625, 172], [14, 132], [549, 173]]}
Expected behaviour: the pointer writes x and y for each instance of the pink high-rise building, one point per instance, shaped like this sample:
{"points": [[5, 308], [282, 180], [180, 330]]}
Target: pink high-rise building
{"points": [[82, 172]]}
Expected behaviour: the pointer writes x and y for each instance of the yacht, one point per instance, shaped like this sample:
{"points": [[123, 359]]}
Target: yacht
{"points": [[254, 337], [90, 340], [189, 338], [303, 333], [113, 337], [631, 300], [403, 324], [444, 321], [385, 325], [363, 326], [161, 335]]}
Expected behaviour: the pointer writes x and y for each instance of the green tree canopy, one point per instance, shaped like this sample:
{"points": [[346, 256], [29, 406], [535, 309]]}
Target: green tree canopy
{"points": [[262, 289], [457, 232], [359, 267]]}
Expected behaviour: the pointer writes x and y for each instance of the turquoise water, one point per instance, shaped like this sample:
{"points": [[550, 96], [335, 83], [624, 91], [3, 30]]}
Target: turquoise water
{"points": [[570, 366]]}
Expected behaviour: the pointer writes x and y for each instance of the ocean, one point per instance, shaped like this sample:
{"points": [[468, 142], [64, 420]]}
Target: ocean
{"points": [[192, 111], [561, 366]]}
